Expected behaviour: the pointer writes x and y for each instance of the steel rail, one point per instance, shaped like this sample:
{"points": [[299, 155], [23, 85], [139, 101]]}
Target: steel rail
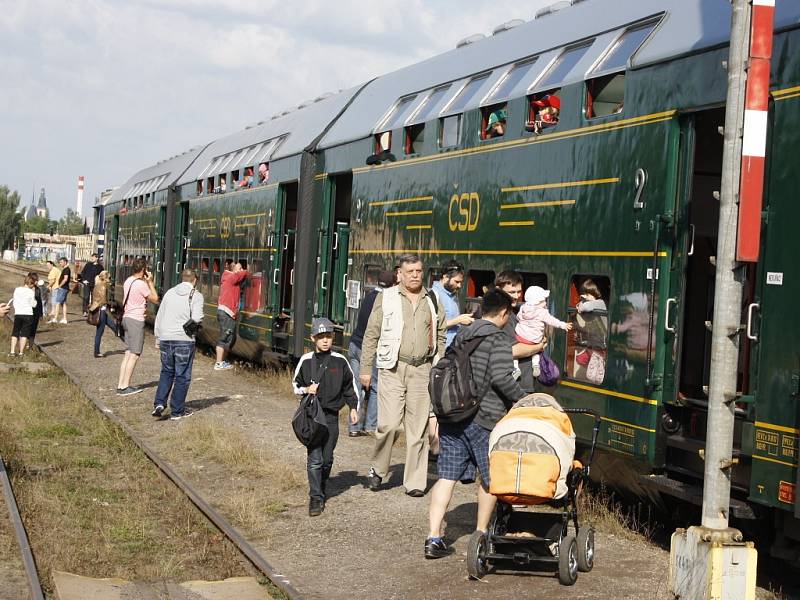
{"points": [[34, 584], [221, 523]]}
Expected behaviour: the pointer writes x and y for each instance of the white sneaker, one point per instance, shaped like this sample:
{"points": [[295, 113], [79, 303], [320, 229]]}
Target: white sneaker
{"points": [[53, 320], [222, 366], [63, 321]]}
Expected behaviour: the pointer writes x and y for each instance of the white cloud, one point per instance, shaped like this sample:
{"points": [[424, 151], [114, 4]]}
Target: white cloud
{"points": [[102, 88]]}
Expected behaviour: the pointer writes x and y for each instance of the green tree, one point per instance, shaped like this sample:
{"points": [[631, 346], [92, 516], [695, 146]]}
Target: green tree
{"points": [[71, 223], [38, 225], [10, 219]]}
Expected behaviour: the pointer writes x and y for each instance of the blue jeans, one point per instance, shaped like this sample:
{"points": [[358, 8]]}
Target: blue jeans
{"points": [[367, 416], [101, 326], [177, 359], [320, 458]]}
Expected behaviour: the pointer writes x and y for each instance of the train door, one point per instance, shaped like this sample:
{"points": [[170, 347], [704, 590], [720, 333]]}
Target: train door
{"points": [[333, 247], [181, 240], [689, 308], [163, 280], [282, 265]]}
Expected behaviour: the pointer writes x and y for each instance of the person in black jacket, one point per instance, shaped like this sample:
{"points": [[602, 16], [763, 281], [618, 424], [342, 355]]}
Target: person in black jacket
{"points": [[88, 273], [328, 375]]}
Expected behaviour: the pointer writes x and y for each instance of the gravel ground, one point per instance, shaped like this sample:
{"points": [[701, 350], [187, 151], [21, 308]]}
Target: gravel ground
{"points": [[366, 544], [13, 584]]}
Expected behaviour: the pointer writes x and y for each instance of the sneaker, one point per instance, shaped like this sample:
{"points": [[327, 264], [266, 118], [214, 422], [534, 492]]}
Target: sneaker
{"points": [[63, 321], [53, 320], [98, 355], [128, 391], [183, 415], [157, 410], [435, 547], [353, 433], [85, 314], [315, 507], [415, 493], [374, 480], [222, 366], [12, 354]]}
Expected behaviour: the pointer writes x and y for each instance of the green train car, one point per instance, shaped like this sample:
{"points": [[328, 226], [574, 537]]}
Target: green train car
{"points": [[605, 167]]}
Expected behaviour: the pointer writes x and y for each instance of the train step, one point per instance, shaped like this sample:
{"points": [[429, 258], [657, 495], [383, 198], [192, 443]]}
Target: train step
{"points": [[691, 444], [694, 494]]}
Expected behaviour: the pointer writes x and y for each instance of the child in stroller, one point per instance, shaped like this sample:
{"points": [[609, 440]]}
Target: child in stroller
{"points": [[531, 462]]}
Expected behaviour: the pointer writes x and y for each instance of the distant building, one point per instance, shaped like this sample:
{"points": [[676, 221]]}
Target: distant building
{"points": [[41, 206]]}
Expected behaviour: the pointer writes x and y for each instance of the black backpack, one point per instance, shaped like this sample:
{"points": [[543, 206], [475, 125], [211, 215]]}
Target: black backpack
{"points": [[308, 422], [454, 397]]}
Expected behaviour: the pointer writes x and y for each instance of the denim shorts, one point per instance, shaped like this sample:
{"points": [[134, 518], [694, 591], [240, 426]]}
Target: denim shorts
{"points": [[60, 296], [463, 449]]}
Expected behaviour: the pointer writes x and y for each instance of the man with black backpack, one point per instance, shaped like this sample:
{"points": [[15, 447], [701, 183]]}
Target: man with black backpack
{"points": [[472, 389]]}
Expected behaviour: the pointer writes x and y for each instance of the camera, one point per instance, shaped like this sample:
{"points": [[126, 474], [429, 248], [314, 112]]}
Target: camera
{"points": [[192, 327]]}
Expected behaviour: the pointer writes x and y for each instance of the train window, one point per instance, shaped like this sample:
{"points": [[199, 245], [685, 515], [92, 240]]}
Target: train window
{"points": [[234, 179], [204, 278], [431, 103], [511, 79], [254, 292], [493, 121], [587, 343], [263, 172], [478, 283], [434, 275], [415, 136], [529, 279], [383, 142], [624, 47], [399, 114], [371, 273], [199, 190], [466, 94], [563, 65], [210, 185], [543, 111], [605, 95], [223, 184], [449, 131], [215, 277]]}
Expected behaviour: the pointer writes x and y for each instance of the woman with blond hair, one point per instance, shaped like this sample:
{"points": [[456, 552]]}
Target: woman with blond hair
{"points": [[24, 302], [98, 311]]}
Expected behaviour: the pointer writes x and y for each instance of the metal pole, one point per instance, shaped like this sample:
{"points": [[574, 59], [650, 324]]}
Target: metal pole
{"points": [[728, 290]]}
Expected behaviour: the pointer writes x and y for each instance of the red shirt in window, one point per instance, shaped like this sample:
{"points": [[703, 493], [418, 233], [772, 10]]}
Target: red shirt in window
{"points": [[229, 291]]}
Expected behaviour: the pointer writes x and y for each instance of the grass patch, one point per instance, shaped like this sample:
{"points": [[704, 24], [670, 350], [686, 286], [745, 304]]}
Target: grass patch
{"points": [[93, 504], [607, 513]]}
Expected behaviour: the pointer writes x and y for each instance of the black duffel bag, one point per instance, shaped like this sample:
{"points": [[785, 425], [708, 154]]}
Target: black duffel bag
{"points": [[308, 422]]}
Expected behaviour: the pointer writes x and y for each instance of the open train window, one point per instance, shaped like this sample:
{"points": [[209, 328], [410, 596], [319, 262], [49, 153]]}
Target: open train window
{"points": [[605, 95], [204, 277], [449, 131], [434, 275], [215, 278], [263, 173], [415, 136], [493, 121], [544, 109], [234, 179], [587, 343], [254, 292], [210, 184], [383, 142], [478, 283], [529, 279], [199, 190]]}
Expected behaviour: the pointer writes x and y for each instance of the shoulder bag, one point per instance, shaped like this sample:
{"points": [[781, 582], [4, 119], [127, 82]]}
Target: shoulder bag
{"points": [[308, 421], [192, 327]]}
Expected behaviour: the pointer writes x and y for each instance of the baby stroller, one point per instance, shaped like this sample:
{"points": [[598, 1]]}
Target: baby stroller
{"points": [[531, 462]]}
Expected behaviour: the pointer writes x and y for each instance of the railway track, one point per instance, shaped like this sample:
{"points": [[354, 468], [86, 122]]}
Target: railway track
{"points": [[258, 561], [31, 572]]}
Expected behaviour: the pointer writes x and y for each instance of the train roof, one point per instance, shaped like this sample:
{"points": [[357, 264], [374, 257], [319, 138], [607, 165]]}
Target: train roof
{"points": [[284, 134], [681, 27], [156, 177]]}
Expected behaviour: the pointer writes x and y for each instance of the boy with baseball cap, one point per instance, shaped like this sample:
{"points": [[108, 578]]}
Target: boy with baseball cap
{"points": [[326, 374]]}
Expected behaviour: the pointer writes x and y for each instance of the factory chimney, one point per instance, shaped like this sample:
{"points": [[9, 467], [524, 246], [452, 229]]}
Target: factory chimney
{"points": [[80, 196]]}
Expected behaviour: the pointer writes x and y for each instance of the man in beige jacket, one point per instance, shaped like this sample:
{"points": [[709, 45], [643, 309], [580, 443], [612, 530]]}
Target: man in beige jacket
{"points": [[404, 336]]}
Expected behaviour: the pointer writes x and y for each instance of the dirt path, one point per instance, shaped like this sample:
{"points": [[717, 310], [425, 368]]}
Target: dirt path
{"points": [[366, 544]]}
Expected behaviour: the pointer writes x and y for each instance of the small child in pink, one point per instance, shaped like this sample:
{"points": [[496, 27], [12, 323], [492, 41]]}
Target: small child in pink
{"points": [[532, 318]]}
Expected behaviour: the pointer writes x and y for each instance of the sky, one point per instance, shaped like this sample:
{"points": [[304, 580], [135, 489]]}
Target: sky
{"points": [[104, 88]]}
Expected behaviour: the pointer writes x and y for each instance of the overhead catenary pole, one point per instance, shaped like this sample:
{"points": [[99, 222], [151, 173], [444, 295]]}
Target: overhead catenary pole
{"points": [[726, 322]]}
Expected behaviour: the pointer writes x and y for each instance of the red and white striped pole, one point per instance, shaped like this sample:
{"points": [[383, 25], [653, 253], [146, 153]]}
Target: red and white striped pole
{"points": [[754, 142], [80, 196]]}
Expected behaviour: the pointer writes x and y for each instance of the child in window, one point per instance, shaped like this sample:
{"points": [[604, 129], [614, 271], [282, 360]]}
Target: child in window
{"points": [[593, 330], [547, 109], [531, 320], [328, 375]]}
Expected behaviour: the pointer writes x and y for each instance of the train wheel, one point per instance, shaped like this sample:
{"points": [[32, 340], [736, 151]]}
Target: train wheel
{"points": [[568, 560], [477, 565], [585, 542]]}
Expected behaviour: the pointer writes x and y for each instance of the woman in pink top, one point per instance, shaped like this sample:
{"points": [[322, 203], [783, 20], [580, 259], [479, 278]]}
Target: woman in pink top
{"points": [[532, 318], [137, 290]]}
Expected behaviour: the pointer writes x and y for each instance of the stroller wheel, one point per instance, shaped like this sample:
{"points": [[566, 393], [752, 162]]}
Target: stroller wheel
{"points": [[585, 542], [567, 560], [477, 565]]}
